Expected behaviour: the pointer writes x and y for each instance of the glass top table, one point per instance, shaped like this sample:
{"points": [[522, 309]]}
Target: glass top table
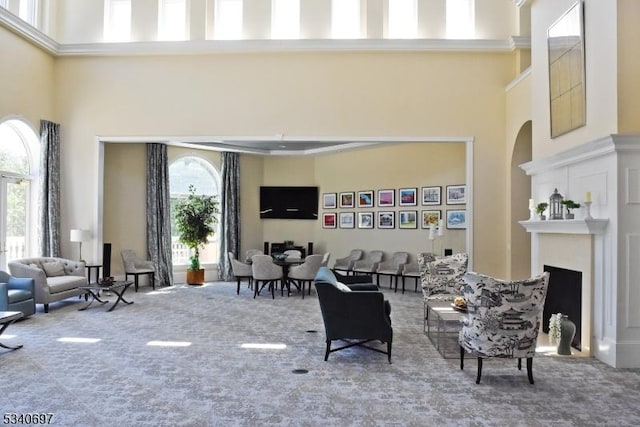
{"points": [[442, 325]]}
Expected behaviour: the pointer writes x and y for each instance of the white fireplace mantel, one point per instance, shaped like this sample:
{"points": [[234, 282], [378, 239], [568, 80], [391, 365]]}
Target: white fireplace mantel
{"points": [[567, 226]]}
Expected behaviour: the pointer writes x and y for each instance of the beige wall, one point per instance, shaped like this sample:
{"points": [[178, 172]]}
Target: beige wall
{"points": [[325, 94], [26, 85], [628, 67]]}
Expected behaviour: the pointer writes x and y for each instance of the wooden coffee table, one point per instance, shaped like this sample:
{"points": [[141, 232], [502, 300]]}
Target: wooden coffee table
{"points": [[118, 287], [7, 318]]}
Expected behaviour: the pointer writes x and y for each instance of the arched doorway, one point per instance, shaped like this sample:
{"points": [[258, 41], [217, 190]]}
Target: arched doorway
{"points": [[19, 153], [520, 241]]}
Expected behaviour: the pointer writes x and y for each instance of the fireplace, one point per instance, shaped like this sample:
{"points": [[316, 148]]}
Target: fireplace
{"points": [[564, 295]]}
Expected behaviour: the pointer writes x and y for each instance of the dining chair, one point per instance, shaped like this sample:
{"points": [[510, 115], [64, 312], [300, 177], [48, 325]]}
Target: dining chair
{"points": [[250, 253], [293, 254], [346, 263], [305, 273], [264, 270], [241, 271], [325, 259]]}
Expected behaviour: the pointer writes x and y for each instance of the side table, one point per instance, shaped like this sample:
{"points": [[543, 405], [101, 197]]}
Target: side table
{"points": [[90, 268], [443, 326]]}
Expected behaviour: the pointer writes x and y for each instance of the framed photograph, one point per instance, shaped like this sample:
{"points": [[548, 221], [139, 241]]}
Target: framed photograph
{"points": [[407, 196], [408, 219], [347, 200], [567, 95], [386, 219], [430, 217], [329, 220], [456, 194], [431, 196], [365, 219], [329, 201], [386, 198], [457, 218], [365, 199], [347, 219]]}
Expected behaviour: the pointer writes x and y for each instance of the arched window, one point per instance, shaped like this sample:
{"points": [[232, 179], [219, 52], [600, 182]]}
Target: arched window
{"points": [[19, 153], [183, 172]]}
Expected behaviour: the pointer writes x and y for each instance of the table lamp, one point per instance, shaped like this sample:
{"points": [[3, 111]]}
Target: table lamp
{"points": [[78, 235]]}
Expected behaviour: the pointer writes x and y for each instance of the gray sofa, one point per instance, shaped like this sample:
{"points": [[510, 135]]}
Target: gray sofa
{"points": [[55, 279]]}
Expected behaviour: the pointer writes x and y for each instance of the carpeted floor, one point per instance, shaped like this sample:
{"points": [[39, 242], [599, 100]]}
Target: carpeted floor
{"points": [[95, 368]]}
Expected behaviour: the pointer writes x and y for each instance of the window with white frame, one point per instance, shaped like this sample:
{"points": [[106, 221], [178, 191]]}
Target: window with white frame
{"points": [[285, 19], [402, 19], [3, 3], [196, 171], [228, 20], [461, 21], [28, 11], [345, 19], [117, 20], [172, 19]]}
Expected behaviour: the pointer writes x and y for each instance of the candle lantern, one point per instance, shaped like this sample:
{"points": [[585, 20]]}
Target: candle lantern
{"points": [[555, 205]]}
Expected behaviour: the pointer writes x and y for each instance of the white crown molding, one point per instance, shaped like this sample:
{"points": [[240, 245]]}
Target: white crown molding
{"points": [[520, 42], [583, 152], [265, 46], [28, 32], [519, 78], [520, 3]]}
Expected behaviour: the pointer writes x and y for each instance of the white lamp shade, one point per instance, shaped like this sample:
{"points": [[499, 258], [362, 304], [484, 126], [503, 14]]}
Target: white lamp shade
{"points": [[432, 232], [77, 235], [441, 227]]}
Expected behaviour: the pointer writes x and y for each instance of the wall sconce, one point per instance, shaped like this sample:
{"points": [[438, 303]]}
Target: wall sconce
{"points": [[79, 236]]}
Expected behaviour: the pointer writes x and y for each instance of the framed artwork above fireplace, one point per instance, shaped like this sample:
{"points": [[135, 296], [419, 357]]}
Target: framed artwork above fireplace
{"points": [[567, 94]]}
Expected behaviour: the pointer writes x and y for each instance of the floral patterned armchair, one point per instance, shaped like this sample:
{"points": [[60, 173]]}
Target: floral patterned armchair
{"points": [[503, 318]]}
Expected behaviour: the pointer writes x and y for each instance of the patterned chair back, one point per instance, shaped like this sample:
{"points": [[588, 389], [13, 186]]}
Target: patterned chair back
{"points": [[442, 278], [503, 317]]}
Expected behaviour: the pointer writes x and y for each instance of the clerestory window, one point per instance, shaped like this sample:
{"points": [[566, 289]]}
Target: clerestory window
{"points": [[285, 19], [402, 19], [172, 20], [461, 20], [345, 19], [228, 20], [117, 20]]}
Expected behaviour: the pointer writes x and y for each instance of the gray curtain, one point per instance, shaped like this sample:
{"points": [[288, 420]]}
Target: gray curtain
{"points": [[50, 189], [230, 212], [159, 213]]}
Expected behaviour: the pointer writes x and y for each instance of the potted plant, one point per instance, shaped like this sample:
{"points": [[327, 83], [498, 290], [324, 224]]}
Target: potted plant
{"points": [[570, 204], [196, 217], [540, 208]]}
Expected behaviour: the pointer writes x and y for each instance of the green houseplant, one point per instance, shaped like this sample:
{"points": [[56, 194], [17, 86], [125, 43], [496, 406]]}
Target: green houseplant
{"points": [[570, 204], [540, 208], [196, 217]]}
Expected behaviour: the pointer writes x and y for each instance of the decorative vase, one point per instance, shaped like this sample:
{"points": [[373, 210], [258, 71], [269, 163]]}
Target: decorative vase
{"points": [[567, 332]]}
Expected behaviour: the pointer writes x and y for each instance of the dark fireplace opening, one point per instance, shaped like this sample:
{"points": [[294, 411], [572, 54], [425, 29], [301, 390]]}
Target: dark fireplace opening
{"points": [[564, 295]]}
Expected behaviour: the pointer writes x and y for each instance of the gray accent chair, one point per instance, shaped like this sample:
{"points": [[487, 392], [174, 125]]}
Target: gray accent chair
{"points": [[369, 265], [392, 268], [264, 270], [50, 289], [346, 264], [17, 294], [240, 270], [305, 273], [503, 318], [136, 267]]}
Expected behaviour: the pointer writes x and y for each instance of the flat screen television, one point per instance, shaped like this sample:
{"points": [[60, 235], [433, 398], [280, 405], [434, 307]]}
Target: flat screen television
{"points": [[289, 202]]}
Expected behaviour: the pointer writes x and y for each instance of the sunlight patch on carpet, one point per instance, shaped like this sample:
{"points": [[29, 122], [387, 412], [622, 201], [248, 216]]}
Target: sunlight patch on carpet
{"points": [[169, 343], [265, 346], [79, 340]]}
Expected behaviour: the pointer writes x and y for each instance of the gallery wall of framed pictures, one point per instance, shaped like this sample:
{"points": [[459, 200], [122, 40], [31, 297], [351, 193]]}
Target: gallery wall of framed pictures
{"points": [[386, 208]]}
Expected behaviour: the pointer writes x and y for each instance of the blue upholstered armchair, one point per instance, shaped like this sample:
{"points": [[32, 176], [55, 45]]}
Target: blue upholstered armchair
{"points": [[17, 294]]}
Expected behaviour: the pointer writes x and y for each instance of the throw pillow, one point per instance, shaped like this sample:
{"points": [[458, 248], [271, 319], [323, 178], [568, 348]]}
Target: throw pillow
{"points": [[343, 287], [53, 269]]}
